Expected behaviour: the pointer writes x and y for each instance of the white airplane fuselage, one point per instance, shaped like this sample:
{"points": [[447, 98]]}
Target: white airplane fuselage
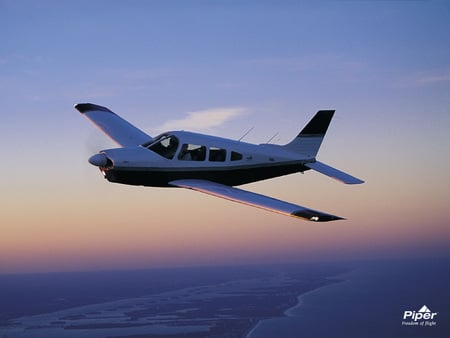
{"points": [[238, 163]]}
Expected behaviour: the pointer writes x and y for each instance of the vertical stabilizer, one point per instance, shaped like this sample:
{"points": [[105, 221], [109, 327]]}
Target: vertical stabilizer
{"points": [[308, 141]]}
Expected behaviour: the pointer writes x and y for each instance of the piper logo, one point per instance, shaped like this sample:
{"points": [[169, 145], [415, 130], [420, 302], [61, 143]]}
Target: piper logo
{"points": [[423, 317]]}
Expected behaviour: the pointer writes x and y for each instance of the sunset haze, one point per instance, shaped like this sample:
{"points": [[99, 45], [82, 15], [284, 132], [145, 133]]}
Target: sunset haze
{"points": [[222, 68]]}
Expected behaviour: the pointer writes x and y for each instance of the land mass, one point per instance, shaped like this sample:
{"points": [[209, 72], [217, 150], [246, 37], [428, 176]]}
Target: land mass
{"points": [[230, 307]]}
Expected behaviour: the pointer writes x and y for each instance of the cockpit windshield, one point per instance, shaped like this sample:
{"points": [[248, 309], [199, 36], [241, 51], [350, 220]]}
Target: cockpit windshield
{"points": [[165, 145]]}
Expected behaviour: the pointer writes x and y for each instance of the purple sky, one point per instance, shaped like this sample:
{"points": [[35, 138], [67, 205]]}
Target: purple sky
{"points": [[384, 67]]}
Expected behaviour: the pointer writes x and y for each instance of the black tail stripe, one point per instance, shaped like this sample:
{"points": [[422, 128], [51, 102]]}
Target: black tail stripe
{"points": [[319, 123]]}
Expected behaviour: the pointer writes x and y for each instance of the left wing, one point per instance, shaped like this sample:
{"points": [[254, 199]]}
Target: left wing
{"points": [[118, 129], [253, 199]]}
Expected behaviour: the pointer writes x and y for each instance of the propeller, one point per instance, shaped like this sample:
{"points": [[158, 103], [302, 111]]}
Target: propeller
{"points": [[100, 160], [93, 144]]}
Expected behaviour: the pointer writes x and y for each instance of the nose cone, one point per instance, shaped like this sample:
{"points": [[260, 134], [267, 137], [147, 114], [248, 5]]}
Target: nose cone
{"points": [[99, 160]]}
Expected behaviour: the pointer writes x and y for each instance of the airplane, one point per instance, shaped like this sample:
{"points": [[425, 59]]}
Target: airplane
{"points": [[210, 164]]}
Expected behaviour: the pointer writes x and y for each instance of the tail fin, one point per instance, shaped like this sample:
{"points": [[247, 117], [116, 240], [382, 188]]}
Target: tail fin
{"points": [[310, 138]]}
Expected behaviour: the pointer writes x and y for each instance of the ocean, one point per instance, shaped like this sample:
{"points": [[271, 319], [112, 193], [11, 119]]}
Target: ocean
{"points": [[370, 301]]}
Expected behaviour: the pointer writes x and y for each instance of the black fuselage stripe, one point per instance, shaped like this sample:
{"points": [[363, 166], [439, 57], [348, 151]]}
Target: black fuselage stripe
{"points": [[228, 176]]}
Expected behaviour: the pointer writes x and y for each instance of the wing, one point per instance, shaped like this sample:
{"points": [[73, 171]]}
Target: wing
{"points": [[333, 173], [253, 199], [119, 130]]}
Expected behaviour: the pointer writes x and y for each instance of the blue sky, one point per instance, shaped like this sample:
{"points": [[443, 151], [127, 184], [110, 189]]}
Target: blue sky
{"points": [[384, 67]]}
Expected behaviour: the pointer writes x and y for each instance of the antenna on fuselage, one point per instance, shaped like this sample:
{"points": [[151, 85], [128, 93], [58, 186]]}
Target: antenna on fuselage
{"points": [[270, 139], [248, 131]]}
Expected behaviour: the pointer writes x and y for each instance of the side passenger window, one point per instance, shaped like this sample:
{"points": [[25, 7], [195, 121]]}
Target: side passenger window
{"points": [[217, 154], [235, 156], [192, 152]]}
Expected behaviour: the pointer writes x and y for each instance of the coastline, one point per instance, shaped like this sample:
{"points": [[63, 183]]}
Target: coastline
{"points": [[289, 312]]}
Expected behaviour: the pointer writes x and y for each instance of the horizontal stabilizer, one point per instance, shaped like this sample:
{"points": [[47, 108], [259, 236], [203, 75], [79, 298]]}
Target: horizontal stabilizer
{"points": [[333, 173], [118, 129], [253, 199]]}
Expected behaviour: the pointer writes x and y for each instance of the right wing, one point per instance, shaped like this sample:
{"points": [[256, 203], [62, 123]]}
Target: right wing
{"points": [[253, 199], [119, 130]]}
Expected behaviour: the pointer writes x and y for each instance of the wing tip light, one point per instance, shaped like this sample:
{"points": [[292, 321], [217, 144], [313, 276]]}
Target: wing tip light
{"points": [[315, 216]]}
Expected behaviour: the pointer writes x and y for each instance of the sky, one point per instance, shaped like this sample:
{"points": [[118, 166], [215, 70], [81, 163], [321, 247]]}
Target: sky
{"points": [[222, 68]]}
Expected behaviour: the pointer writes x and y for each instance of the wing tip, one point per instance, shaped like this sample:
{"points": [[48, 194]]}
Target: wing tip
{"points": [[315, 216], [86, 107], [355, 181]]}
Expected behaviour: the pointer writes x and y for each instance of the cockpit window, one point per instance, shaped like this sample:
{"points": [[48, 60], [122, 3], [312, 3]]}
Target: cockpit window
{"points": [[165, 146], [192, 152]]}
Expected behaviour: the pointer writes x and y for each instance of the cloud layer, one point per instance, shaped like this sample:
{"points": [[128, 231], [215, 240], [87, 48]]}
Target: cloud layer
{"points": [[203, 120]]}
